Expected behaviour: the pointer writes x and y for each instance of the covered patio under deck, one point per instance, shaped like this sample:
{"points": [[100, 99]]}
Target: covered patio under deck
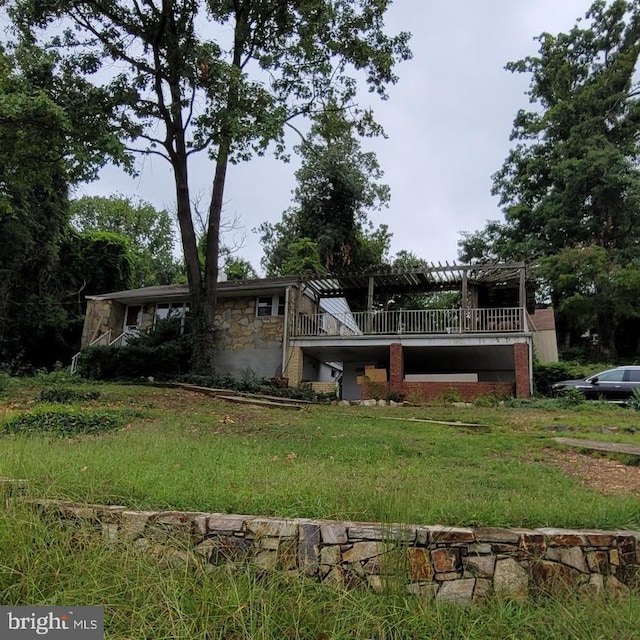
{"points": [[474, 349]]}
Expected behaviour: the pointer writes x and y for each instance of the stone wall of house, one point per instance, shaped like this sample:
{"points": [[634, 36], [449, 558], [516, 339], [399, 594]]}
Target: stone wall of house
{"points": [[246, 341], [451, 564], [102, 316]]}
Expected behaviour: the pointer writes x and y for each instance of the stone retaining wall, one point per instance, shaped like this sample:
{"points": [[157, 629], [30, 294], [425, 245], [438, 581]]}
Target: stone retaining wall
{"points": [[451, 564]]}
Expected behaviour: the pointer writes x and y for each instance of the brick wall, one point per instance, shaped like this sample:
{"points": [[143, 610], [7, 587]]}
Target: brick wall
{"points": [[521, 361], [295, 364], [468, 390], [396, 368]]}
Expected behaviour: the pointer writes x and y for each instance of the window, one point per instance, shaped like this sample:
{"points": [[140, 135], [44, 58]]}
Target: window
{"points": [[615, 375], [166, 310], [134, 317], [270, 306], [634, 375]]}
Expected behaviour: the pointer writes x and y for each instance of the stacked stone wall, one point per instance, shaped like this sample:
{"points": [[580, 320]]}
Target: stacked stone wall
{"points": [[241, 329], [451, 564]]}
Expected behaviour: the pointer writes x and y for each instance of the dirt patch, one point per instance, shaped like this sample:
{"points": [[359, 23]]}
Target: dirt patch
{"points": [[597, 472]]}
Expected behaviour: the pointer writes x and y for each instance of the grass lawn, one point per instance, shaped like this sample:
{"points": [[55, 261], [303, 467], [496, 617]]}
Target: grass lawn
{"points": [[186, 451], [181, 450]]}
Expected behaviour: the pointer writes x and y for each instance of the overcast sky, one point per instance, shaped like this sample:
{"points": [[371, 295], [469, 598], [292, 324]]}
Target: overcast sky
{"points": [[448, 122]]}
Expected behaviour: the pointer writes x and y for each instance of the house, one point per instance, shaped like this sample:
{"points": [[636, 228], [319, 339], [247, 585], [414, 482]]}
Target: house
{"points": [[303, 328]]}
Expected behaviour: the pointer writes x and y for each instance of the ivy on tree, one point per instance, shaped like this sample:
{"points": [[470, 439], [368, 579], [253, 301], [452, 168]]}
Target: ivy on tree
{"points": [[327, 228]]}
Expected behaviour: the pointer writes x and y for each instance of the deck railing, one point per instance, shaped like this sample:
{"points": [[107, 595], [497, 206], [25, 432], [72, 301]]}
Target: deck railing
{"points": [[430, 321]]}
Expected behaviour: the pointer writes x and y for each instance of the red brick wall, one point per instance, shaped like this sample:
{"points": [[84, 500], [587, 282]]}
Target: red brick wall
{"points": [[468, 390], [521, 361], [396, 368], [433, 390]]}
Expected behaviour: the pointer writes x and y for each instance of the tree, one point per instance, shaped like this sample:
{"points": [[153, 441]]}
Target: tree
{"points": [[338, 185], [570, 188], [150, 233], [180, 93], [239, 269]]}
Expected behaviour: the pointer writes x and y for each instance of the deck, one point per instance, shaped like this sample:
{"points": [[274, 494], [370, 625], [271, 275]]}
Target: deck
{"points": [[411, 322]]}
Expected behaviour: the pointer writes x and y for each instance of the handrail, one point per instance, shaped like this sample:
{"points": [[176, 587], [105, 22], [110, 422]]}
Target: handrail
{"points": [[414, 322], [102, 339]]}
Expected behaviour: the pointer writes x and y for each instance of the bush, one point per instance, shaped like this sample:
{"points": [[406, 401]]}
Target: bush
{"points": [[5, 381], [547, 374], [486, 400], [634, 400], [62, 423], [451, 395], [136, 361], [67, 396]]}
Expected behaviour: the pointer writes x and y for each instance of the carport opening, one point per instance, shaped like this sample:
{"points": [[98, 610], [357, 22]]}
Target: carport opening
{"points": [[464, 364]]}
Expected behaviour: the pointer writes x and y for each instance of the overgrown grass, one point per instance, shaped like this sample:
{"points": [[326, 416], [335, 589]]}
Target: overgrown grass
{"points": [[48, 562], [186, 451]]}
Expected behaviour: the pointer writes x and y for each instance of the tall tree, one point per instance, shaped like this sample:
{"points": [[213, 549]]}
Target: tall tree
{"points": [[181, 92], [570, 188], [46, 145], [150, 233], [338, 186]]}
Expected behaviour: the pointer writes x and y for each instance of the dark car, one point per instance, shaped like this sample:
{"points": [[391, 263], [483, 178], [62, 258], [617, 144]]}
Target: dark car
{"points": [[613, 384]]}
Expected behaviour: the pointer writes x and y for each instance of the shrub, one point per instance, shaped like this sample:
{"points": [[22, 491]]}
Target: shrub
{"points": [[5, 381], [136, 361], [634, 400], [545, 375], [451, 395], [486, 400], [67, 396], [62, 423], [570, 398]]}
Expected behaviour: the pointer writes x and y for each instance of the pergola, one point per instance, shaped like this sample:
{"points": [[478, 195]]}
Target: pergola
{"points": [[445, 277]]}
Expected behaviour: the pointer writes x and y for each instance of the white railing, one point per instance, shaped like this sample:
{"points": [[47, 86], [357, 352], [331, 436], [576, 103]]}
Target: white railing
{"points": [[103, 339], [429, 321], [121, 340]]}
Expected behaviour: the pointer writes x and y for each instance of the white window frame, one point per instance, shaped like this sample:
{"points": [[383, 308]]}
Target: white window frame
{"points": [[277, 301]]}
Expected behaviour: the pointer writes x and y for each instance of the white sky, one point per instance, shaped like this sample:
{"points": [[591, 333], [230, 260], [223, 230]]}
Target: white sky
{"points": [[448, 122]]}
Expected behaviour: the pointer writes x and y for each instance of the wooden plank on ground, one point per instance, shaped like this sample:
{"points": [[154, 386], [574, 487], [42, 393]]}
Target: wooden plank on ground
{"points": [[447, 424], [260, 403], [597, 445], [211, 391]]}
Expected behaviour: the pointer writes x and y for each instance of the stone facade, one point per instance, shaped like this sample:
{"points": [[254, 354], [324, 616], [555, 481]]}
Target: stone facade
{"points": [[240, 328], [460, 565], [246, 341]]}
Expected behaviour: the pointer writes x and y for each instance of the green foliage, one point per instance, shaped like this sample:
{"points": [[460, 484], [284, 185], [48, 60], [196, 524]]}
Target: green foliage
{"points": [[175, 91], [545, 375], [634, 401], [302, 257], [5, 382], [62, 423], [487, 400], [570, 398], [48, 143], [64, 395], [451, 395], [150, 234], [249, 382], [136, 361], [239, 269], [327, 228], [570, 187]]}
